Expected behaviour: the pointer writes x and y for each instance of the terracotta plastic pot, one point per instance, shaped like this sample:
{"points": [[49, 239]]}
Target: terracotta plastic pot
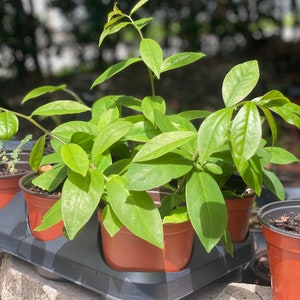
{"points": [[37, 205], [9, 184], [283, 250], [239, 211], [127, 252]]}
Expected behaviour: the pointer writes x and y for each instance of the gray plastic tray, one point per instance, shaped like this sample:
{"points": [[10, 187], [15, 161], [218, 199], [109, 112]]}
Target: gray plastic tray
{"points": [[80, 261]]}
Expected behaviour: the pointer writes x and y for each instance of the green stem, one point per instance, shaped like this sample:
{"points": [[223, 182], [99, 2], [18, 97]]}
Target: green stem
{"points": [[149, 70], [35, 123], [76, 97]]}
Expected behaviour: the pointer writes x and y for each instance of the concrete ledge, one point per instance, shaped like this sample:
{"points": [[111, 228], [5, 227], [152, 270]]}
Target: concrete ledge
{"points": [[19, 281]]}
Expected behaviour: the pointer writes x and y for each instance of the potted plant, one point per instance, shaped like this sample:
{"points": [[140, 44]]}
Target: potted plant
{"points": [[14, 163], [112, 162], [281, 227]]}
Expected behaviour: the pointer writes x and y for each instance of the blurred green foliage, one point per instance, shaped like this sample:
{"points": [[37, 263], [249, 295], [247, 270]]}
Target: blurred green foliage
{"points": [[215, 27]]}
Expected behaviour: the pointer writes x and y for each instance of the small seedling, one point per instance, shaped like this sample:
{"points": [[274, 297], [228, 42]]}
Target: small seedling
{"points": [[9, 160]]}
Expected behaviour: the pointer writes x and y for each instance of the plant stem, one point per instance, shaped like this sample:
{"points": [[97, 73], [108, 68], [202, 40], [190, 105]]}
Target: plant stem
{"points": [[35, 123], [142, 37], [76, 97]]}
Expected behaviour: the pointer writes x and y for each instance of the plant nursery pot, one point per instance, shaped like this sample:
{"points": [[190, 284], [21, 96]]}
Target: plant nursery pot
{"points": [[9, 184], [37, 205], [127, 252], [239, 211], [283, 250]]}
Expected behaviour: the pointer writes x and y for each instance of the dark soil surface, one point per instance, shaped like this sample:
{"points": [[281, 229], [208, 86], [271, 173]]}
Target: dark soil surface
{"points": [[290, 223]]}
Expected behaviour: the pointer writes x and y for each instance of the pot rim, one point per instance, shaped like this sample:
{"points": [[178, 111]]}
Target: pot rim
{"points": [[277, 207], [29, 176]]}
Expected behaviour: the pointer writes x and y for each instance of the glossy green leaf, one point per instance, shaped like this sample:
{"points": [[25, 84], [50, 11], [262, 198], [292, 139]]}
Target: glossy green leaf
{"points": [[179, 60], [157, 172], [37, 152], [273, 183], [162, 144], [9, 125], [137, 6], [251, 172], [141, 132], [272, 99], [206, 208], [150, 105], [281, 156], [141, 23], [145, 221], [114, 69], [75, 158], [112, 29], [152, 55], [246, 132], [194, 114], [52, 217], [110, 221], [289, 112], [51, 179], [272, 123], [80, 198], [169, 202], [213, 132], [42, 91], [60, 107], [239, 82], [108, 136], [178, 215]]}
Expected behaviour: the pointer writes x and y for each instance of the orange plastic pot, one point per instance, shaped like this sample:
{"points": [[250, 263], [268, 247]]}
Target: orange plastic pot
{"points": [[127, 252], [8, 188], [37, 205], [283, 250], [239, 211]]}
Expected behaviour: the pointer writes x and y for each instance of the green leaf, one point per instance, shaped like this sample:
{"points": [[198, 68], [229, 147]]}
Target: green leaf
{"points": [[52, 217], [227, 243], [178, 215], [246, 132], [162, 144], [141, 132], [152, 55], [108, 136], [239, 82], [80, 198], [273, 98], [136, 211], [157, 172], [114, 69], [272, 123], [137, 6], [251, 172], [60, 107], [141, 23], [150, 105], [51, 179], [42, 91], [75, 158], [179, 60], [169, 202], [37, 152], [9, 125], [273, 183], [281, 156], [110, 221], [194, 114], [206, 208], [213, 132], [289, 113], [112, 29]]}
